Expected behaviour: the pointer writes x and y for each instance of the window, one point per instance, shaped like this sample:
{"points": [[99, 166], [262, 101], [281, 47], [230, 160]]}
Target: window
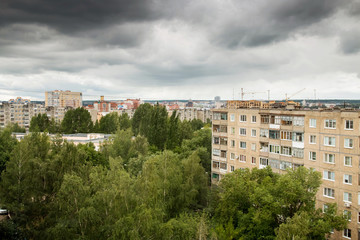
{"points": [[232, 117], [253, 119], [253, 132], [265, 119], [347, 215], [329, 192], [216, 152], [285, 165], [223, 116], [358, 198], [264, 161], [298, 137], [243, 145], [328, 175], [347, 179], [312, 123], [253, 160], [349, 125], [330, 123], [329, 158], [298, 121], [358, 217], [347, 197], [232, 130], [298, 152], [232, 168], [329, 141], [242, 131], [286, 151], [285, 120], [348, 161], [242, 158], [312, 156], [253, 146], [274, 163], [273, 134], [325, 208], [232, 143], [264, 133], [312, 139], [242, 118], [285, 135], [232, 156], [274, 149], [347, 233], [348, 143]]}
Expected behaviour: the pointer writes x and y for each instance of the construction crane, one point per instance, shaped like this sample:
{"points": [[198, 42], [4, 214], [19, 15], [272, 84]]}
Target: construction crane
{"points": [[287, 98], [242, 93]]}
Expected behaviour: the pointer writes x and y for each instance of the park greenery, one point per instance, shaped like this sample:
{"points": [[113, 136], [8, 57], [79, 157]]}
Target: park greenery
{"points": [[150, 180]]}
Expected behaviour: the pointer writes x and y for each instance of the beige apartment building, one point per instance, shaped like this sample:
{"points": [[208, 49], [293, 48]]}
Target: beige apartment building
{"points": [[325, 140], [63, 99]]}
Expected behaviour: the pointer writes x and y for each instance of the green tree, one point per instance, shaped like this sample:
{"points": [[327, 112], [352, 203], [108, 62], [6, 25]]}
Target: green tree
{"points": [[7, 144], [196, 124], [158, 127], [39, 123], [77, 121], [124, 121], [173, 138], [109, 123], [16, 128], [141, 120], [252, 204]]}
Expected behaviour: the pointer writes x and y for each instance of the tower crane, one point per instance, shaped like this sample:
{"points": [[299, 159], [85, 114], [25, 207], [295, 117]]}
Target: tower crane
{"points": [[287, 98], [242, 93]]}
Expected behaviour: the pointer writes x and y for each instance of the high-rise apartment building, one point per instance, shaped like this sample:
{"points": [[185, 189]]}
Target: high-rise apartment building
{"points": [[63, 99], [324, 140]]}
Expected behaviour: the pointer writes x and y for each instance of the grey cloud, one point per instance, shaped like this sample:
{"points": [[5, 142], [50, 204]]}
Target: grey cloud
{"points": [[349, 42]]}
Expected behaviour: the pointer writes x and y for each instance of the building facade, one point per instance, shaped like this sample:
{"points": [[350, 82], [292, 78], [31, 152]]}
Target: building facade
{"points": [[324, 140], [63, 99]]}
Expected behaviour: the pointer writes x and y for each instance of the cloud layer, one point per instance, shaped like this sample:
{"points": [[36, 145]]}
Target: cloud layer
{"points": [[179, 49]]}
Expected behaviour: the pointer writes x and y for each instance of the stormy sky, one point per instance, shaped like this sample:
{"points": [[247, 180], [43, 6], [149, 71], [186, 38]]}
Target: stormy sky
{"points": [[171, 49]]}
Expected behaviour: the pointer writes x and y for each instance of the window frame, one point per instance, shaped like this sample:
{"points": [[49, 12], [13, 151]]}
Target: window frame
{"points": [[330, 123]]}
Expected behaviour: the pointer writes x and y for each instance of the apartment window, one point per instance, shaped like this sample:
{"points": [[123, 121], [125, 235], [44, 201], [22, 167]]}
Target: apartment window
{"points": [[285, 135], [232, 143], [298, 121], [273, 134], [253, 160], [264, 161], [242, 118], [347, 233], [232, 130], [358, 198], [285, 120], [223, 116], [298, 152], [358, 217], [253, 132], [312, 123], [329, 192], [347, 161], [232, 117], [349, 124], [274, 149], [329, 175], [243, 145], [298, 137], [312, 139], [253, 146], [286, 151], [265, 119], [242, 131], [285, 165], [330, 123], [242, 158], [216, 152], [312, 156], [347, 179], [329, 141], [232, 168], [325, 208], [264, 133], [329, 158], [347, 197], [348, 143], [347, 215], [253, 119]]}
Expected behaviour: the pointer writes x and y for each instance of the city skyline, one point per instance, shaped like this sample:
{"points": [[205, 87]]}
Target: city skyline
{"points": [[180, 50]]}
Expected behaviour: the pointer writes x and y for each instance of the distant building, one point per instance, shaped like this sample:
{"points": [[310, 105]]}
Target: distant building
{"points": [[63, 99], [217, 99]]}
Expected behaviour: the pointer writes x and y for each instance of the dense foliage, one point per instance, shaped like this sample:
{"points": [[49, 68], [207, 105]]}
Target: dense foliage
{"points": [[149, 181]]}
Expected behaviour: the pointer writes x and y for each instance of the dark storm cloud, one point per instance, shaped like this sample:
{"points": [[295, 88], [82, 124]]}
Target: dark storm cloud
{"points": [[350, 43], [77, 15], [265, 22]]}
